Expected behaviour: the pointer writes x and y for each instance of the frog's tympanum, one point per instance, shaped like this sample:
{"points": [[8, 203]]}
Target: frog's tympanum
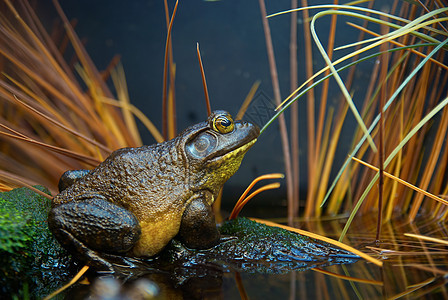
{"points": [[138, 199]]}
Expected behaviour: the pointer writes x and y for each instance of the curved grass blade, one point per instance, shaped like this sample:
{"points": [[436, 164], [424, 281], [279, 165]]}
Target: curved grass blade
{"points": [[409, 28], [284, 107], [338, 9], [399, 44], [341, 84], [375, 122], [243, 199], [413, 31]]}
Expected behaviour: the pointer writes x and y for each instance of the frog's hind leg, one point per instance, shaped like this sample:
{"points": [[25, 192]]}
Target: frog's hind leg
{"points": [[95, 230]]}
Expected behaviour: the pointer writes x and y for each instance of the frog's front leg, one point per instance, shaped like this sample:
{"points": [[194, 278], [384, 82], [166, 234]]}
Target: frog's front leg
{"points": [[198, 227], [95, 230], [70, 177]]}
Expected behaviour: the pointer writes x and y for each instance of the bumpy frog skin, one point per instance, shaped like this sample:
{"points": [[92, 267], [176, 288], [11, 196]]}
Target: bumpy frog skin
{"points": [[138, 199]]}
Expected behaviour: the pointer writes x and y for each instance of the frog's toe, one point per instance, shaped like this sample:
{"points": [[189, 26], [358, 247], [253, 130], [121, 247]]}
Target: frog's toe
{"points": [[90, 257]]}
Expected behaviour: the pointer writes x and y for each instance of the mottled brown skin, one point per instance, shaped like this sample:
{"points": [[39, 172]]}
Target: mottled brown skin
{"points": [[138, 199]]}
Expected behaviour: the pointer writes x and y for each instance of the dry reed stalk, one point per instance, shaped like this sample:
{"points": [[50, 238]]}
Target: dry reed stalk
{"points": [[328, 158], [294, 126], [282, 122], [43, 104], [310, 115], [167, 102], [381, 154], [396, 132], [171, 118], [325, 86], [204, 82]]}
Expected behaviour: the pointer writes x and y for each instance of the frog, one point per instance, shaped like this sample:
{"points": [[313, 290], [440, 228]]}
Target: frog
{"points": [[140, 198]]}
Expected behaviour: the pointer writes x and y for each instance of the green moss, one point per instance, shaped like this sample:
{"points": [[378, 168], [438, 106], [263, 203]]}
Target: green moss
{"points": [[30, 258], [252, 247]]}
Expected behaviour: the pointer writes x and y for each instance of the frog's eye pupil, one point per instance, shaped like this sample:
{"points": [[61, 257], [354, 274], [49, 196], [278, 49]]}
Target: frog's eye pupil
{"points": [[223, 124]]}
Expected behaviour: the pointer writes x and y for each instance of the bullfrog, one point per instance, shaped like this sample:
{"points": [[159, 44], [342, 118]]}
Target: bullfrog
{"points": [[138, 199]]}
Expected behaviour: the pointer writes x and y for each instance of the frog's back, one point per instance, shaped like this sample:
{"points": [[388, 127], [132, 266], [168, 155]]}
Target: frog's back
{"points": [[144, 180], [148, 181]]}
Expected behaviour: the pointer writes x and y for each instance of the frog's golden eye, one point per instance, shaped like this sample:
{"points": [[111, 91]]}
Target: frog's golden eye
{"points": [[223, 123]]}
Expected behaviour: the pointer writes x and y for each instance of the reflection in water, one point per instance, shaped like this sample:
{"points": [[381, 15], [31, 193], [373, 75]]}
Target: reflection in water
{"points": [[411, 268]]}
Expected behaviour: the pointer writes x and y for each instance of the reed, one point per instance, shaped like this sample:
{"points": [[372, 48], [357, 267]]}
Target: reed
{"points": [[404, 93], [52, 120]]}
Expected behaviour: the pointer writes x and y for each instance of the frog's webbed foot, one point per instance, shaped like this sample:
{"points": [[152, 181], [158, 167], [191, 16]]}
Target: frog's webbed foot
{"points": [[105, 263], [198, 227], [96, 231]]}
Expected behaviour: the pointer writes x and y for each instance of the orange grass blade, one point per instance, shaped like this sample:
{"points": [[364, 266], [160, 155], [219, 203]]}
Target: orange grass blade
{"points": [[53, 62], [140, 115], [108, 117], [251, 185], [349, 278], [239, 206], [87, 159], [311, 130], [57, 94], [325, 85], [172, 104], [17, 180], [248, 100], [417, 189], [281, 118], [204, 82], [53, 121], [119, 79], [240, 286], [73, 281], [81, 52], [322, 238], [427, 238], [165, 73]]}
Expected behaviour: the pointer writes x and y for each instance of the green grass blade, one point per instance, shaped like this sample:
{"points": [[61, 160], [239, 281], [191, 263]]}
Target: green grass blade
{"points": [[286, 106], [377, 119], [420, 124], [341, 84]]}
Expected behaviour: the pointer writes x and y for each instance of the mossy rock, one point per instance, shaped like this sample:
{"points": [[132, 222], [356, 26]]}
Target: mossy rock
{"points": [[30, 258], [253, 247]]}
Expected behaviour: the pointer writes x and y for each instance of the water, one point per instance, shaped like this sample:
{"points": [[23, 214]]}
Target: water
{"points": [[412, 269]]}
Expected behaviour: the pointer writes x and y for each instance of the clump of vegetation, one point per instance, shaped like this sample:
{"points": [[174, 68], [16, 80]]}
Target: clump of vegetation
{"points": [[404, 93], [28, 251]]}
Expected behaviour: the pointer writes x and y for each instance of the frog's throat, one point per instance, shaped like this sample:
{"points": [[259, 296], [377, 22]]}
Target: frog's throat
{"points": [[238, 151]]}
